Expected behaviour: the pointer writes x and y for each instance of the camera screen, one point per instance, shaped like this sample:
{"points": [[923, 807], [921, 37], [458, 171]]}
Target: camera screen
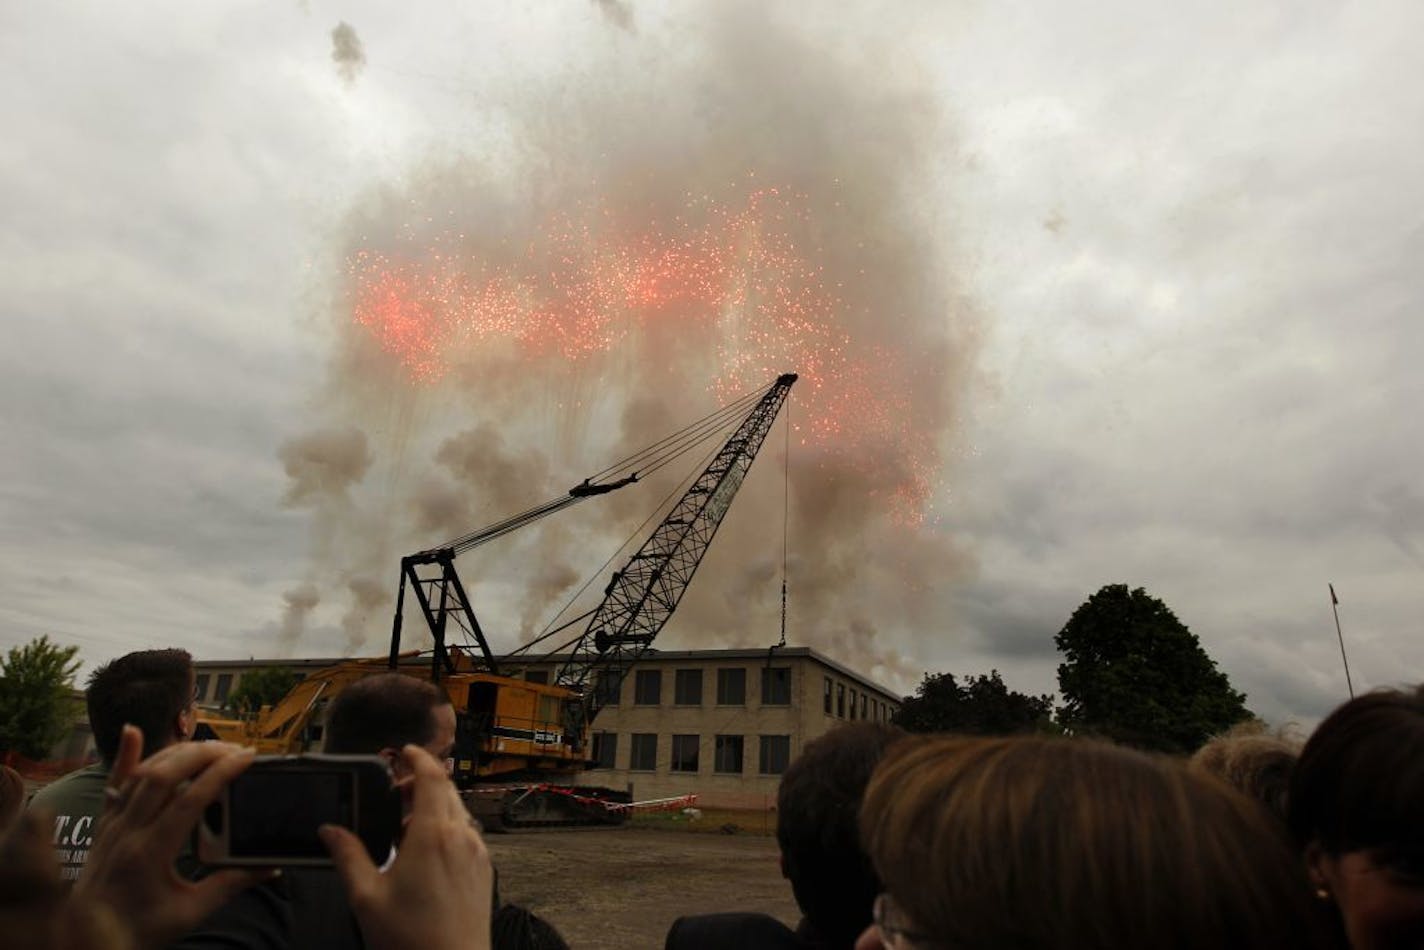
{"points": [[277, 813]]}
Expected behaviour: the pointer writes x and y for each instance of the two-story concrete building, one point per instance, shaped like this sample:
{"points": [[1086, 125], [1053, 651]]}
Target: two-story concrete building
{"points": [[722, 724]]}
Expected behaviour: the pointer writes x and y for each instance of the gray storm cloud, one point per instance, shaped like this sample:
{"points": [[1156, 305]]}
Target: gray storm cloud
{"points": [[832, 161], [347, 52]]}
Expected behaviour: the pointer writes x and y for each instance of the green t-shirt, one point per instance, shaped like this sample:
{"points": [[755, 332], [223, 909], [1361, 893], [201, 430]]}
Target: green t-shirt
{"points": [[77, 800]]}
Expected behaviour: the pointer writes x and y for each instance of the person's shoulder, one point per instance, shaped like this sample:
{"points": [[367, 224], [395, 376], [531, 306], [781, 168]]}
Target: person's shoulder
{"points": [[258, 918], [87, 782], [744, 930]]}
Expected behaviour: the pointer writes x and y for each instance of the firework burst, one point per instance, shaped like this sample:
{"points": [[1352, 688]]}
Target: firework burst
{"points": [[746, 275]]}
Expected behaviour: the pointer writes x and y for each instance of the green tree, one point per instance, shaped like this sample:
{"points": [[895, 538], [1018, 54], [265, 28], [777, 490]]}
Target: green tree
{"points": [[37, 707], [982, 705], [1134, 673], [264, 687]]}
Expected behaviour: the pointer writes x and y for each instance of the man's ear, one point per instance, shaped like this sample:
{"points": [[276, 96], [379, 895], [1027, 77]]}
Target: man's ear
{"points": [[393, 759], [1318, 868], [185, 724]]}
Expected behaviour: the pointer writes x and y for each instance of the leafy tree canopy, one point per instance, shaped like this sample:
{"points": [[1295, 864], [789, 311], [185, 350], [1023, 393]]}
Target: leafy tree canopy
{"points": [[264, 687], [981, 705], [37, 705], [1132, 672]]}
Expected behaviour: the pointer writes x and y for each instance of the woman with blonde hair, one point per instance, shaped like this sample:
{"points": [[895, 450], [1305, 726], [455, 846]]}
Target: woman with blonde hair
{"points": [[1052, 843], [1257, 765]]}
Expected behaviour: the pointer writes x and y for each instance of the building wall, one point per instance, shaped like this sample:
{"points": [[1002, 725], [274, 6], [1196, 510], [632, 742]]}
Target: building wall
{"points": [[794, 723], [798, 721]]}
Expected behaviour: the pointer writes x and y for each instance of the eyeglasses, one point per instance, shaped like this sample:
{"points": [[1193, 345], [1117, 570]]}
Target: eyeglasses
{"points": [[888, 932]]}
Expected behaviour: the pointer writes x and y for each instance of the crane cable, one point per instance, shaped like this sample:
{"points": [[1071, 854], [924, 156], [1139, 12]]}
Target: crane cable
{"points": [[653, 458], [677, 491], [785, 514]]}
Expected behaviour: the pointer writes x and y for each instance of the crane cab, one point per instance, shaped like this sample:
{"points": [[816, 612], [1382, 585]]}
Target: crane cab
{"points": [[505, 727]]}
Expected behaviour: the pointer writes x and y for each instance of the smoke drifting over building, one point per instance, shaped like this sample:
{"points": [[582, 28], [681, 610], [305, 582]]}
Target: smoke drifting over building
{"points": [[741, 199], [324, 465]]}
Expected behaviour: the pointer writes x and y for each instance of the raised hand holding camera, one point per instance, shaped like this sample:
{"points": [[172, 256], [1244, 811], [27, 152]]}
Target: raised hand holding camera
{"points": [[436, 894], [153, 806]]}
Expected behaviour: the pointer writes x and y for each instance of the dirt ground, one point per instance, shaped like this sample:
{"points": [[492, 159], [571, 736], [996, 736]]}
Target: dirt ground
{"points": [[622, 888]]}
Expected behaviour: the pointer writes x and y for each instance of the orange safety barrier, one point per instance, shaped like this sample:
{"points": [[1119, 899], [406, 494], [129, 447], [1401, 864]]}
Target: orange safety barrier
{"points": [[655, 804]]}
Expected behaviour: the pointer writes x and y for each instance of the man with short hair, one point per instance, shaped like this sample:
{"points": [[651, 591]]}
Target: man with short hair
{"points": [[380, 714], [151, 689], [307, 907], [816, 826]]}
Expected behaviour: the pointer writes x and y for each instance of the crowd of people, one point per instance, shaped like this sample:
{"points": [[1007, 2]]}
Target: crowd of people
{"points": [[887, 840]]}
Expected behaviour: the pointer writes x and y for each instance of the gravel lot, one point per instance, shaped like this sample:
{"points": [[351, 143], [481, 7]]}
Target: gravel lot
{"points": [[623, 888]]}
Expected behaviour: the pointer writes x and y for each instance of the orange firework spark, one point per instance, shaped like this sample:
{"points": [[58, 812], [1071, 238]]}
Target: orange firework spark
{"points": [[578, 293]]}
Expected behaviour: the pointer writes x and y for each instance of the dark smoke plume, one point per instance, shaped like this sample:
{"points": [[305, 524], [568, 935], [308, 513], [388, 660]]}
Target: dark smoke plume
{"points": [[832, 127], [300, 601], [618, 12], [346, 52], [324, 465], [369, 597]]}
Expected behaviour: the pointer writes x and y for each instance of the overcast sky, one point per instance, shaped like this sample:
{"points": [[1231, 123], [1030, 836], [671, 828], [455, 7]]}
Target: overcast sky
{"points": [[1175, 249]]}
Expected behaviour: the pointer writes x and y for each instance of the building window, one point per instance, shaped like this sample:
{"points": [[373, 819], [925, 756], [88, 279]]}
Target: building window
{"points": [[863, 703], [852, 704], [687, 688], [776, 686], [643, 752], [200, 687], [647, 687], [728, 754], [224, 686], [827, 702], [605, 750], [684, 753], [536, 676], [732, 687], [840, 700], [605, 687], [775, 754]]}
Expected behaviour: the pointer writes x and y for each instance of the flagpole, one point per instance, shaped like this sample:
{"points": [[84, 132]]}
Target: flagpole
{"points": [[1335, 608]]}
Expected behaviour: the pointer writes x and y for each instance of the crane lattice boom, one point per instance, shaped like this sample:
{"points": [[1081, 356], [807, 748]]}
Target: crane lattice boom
{"points": [[642, 596]]}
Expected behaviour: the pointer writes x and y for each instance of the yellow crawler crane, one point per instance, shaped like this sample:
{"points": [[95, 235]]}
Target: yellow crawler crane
{"points": [[287, 727], [520, 745]]}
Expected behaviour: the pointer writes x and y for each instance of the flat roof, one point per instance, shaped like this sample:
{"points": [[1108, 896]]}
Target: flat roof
{"points": [[520, 661]]}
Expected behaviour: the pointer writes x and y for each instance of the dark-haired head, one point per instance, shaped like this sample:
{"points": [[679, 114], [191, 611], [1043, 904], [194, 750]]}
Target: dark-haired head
{"points": [[383, 713], [817, 807], [1357, 810], [151, 689]]}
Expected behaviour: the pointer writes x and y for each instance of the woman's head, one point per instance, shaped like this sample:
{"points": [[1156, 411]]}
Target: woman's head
{"points": [[1258, 766], [1357, 810], [1029, 842]]}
